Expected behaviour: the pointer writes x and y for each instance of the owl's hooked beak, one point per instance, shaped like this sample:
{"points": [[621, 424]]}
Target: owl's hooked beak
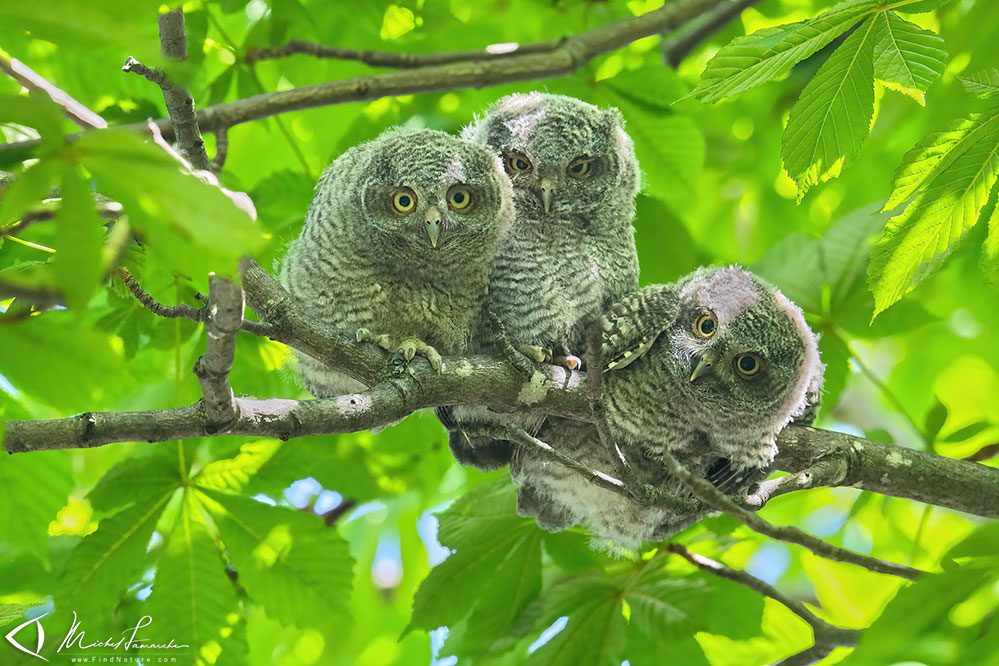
{"points": [[704, 364], [547, 193], [433, 225]]}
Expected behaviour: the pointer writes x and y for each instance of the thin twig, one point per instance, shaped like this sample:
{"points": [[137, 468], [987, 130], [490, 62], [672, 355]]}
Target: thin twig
{"points": [[336, 513], [827, 636], [676, 49], [110, 210], [708, 493], [396, 60], [223, 320], [221, 150], [78, 113], [181, 311], [180, 105]]}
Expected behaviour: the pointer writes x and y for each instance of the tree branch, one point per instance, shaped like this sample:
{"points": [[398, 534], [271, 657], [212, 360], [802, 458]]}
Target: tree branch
{"points": [[571, 53], [78, 113], [826, 636], [705, 491], [223, 320], [396, 60], [676, 49], [179, 103], [814, 457]]}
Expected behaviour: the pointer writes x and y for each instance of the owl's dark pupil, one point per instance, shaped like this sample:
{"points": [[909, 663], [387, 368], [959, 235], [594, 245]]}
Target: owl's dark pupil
{"points": [[707, 326], [522, 165], [577, 167], [747, 363], [404, 201], [459, 198]]}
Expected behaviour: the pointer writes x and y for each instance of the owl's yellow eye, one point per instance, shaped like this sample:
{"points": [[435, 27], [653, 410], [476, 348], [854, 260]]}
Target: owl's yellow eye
{"points": [[580, 168], [518, 163], [705, 325], [459, 198], [403, 200], [747, 364]]}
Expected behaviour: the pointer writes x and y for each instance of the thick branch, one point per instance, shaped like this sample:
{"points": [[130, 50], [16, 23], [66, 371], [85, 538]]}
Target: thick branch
{"points": [[224, 318], [705, 491], [889, 470], [571, 54], [396, 60]]}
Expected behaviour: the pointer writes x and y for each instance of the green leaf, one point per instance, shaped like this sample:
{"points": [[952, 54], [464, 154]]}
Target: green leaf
{"points": [[668, 608], [59, 360], [767, 54], [918, 617], [193, 227], [596, 631], [192, 593], [9, 613], [134, 478], [922, 6], [936, 152], [967, 432], [35, 486], [517, 581], [906, 57], [27, 190], [290, 562], [79, 233], [107, 562], [935, 419], [915, 242], [484, 532], [36, 111], [989, 262], [984, 83], [832, 118]]}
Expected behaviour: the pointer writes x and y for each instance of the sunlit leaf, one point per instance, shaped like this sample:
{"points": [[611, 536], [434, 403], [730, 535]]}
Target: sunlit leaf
{"points": [[35, 486], [767, 54], [192, 594], [832, 118], [290, 562], [916, 241], [79, 233], [906, 57], [984, 83]]}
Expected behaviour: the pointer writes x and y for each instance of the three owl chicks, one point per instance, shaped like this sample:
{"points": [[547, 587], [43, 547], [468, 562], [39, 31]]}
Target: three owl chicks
{"points": [[419, 241]]}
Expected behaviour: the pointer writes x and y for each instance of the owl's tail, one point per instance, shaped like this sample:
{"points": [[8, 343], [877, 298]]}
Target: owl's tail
{"points": [[482, 453]]}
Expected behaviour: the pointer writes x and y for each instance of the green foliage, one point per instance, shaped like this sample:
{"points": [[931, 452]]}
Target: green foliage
{"points": [[170, 530]]}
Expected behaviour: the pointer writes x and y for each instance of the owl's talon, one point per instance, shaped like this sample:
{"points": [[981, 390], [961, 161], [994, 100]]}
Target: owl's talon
{"points": [[569, 361], [363, 335]]}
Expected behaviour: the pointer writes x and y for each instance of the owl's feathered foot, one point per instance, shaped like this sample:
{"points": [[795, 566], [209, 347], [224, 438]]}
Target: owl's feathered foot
{"points": [[521, 358], [407, 347]]}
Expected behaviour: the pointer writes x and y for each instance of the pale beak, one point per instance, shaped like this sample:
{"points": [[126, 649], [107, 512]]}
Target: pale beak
{"points": [[703, 366], [433, 226], [547, 193]]}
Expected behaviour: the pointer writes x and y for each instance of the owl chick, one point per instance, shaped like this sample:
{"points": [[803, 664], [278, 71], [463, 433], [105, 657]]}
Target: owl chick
{"points": [[398, 245], [710, 368], [571, 250]]}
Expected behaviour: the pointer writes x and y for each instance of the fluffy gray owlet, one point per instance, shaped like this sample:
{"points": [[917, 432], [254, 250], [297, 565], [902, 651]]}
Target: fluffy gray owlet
{"points": [[710, 368], [399, 241], [571, 250]]}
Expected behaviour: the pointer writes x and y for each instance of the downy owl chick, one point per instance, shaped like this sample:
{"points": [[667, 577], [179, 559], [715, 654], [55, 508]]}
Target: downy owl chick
{"points": [[398, 244], [571, 250], [710, 368]]}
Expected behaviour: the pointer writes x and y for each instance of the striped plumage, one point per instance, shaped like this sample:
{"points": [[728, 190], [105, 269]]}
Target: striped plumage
{"points": [[361, 262], [571, 250], [722, 424]]}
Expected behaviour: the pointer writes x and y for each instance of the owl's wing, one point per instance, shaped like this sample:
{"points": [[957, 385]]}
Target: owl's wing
{"points": [[633, 324]]}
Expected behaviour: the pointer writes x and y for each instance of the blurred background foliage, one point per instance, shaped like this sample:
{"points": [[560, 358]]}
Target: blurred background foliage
{"points": [[924, 375]]}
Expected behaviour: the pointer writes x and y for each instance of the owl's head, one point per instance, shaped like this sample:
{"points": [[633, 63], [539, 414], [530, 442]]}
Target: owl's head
{"points": [[740, 352], [430, 193], [563, 156]]}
